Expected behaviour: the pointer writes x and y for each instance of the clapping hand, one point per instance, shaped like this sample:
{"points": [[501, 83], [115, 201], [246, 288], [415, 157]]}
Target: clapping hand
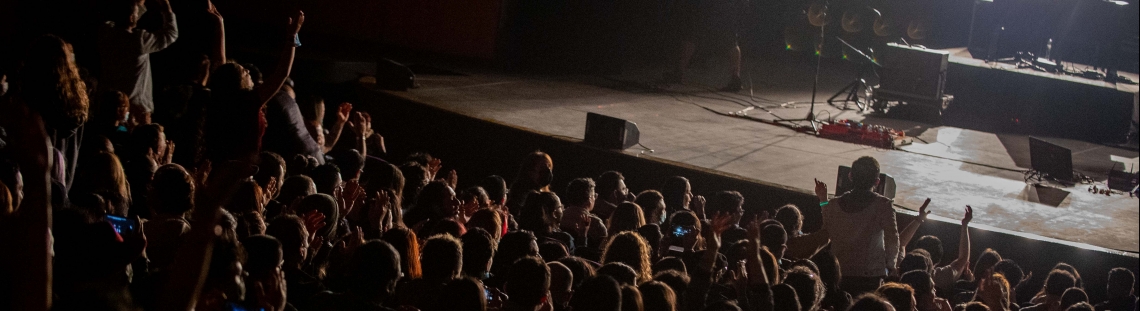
{"points": [[378, 211], [314, 221], [452, 179], [717, 226], [969, 216], [698, 206], [433, 167], [162, 157], [348, 197], [360, 123]]}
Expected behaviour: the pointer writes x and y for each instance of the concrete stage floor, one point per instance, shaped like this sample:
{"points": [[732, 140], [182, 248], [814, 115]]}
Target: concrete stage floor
{"points": [[952, 166]]}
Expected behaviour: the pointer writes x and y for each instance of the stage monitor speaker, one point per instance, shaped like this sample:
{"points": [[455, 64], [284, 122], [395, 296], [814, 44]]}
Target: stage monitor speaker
{"points": [[391, 75], [843, 184], [1122, 181], [913, 72], [1054, 161], [610, 133]]}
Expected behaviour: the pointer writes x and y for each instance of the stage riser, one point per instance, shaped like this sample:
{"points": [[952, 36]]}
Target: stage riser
{"points": [[1036, 105]]}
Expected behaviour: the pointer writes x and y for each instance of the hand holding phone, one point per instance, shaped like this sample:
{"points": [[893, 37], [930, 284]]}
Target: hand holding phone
{"points": [[131, 232], [123, 225], [682, 231]]}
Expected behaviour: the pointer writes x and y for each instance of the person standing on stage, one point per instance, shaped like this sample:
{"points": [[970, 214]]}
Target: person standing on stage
{"points": [[714, 24]]}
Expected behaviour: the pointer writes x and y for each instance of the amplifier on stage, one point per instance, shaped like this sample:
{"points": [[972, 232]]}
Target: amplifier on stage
{"points": [[913, 72]]}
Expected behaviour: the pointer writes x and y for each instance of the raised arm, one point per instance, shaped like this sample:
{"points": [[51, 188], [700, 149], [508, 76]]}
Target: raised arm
{"points": [[218, 53], [157, 41], [702, 275], [188, 271], [273, 82], [911, 228], [344, 111], [756, 273], [959, 264]]}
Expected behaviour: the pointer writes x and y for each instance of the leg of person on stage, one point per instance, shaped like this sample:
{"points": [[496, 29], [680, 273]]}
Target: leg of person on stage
{"points": [[734, 82]]}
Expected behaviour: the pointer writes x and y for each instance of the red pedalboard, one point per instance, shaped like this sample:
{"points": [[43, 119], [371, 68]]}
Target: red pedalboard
{"points": [[863, 134]]}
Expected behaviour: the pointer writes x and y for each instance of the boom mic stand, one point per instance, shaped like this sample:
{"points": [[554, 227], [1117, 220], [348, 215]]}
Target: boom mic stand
{"points": [[815, 85], [860, 83]]}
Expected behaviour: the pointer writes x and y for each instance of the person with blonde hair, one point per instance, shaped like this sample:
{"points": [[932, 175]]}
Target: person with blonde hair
{"points": [[994, 292], [103, 174], [630, 248], [49, 83]]}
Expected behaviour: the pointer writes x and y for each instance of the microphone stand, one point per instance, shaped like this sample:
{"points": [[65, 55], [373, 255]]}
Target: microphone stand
{"points": [[811, 118]]}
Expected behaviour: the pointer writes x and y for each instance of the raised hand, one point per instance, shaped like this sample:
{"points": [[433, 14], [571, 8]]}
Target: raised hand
{"points": [[698, 206], [719, 223], [378, 210], [354, 240], [295, 23], [969, 216], [368, 124], [754, 228], [343, 113], [168, 154], [361, 124], [469, 208], [821, 190], [134, 240], [452, 179], [202, 173], [922, 211], [434, 166], [213, 10], [738, 277], [348, 196]]}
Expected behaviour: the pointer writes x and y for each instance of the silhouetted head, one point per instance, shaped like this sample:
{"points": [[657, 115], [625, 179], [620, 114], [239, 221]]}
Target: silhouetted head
{"points": [[677, 194], [658, 296], [901, 296], [599, 293], [442, 258], [627, 217], [865, 173], [528, 282]]}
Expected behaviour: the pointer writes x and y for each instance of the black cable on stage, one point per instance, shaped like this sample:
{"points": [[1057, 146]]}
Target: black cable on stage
{"points": [[794, 127]]}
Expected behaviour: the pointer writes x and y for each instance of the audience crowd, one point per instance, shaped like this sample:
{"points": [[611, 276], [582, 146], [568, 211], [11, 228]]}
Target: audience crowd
{"points": [[214, 187]]}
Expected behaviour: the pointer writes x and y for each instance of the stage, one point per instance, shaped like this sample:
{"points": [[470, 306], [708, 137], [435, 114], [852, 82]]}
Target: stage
{"points": [[687, 125]]}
